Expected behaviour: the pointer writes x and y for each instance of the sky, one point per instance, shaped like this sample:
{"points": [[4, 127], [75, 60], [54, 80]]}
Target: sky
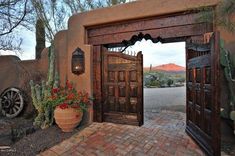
{"points": [[158, 53], [28, 46], [154, 53]]}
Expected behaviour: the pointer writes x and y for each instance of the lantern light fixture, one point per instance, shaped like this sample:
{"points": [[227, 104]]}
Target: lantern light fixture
{"points": [[78, 62]]}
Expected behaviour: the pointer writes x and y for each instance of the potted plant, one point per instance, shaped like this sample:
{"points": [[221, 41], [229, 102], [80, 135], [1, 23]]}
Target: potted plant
{"points": [[69, 106]]}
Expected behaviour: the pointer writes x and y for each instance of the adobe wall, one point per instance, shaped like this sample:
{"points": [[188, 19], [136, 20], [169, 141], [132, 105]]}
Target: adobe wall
{"points": [[18, 73], [67, 41]]}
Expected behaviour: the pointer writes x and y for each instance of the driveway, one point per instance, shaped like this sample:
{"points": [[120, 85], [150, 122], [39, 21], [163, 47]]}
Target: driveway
{"points": [[173, 99]]}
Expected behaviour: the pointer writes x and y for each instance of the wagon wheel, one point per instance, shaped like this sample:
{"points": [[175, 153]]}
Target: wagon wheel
{"points": [[12, 102]]}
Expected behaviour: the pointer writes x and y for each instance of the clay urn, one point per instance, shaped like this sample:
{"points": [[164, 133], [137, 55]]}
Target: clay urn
{"points": [[67, 118]]}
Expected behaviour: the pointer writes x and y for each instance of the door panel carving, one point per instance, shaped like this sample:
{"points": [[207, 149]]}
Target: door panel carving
{"points": [[122, 87], [203, 93]]}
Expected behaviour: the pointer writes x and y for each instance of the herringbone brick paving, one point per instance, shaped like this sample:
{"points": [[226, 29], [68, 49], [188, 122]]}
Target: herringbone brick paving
{"points": [[163, 134]]}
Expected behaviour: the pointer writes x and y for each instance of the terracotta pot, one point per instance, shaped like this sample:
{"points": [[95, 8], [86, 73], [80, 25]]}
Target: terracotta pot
{"points": [[67, 119]]}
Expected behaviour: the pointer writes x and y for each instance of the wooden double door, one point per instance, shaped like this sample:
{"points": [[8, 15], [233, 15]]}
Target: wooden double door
{"points": [[122, 87], [122, 91]]}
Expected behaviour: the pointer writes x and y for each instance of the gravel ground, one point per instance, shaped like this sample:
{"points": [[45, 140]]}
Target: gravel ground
{"points": [[227, 139], [37, 142], [13, 129]]}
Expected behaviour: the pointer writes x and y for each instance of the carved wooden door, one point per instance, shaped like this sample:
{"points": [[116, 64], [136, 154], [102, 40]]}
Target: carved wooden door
{"points": [[122, 88], [203, 94]]}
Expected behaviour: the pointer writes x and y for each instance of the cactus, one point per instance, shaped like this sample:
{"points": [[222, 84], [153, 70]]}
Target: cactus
{"points": [[40, 94], [51, 66], [227, 64], [232, 115], [37, 104]]}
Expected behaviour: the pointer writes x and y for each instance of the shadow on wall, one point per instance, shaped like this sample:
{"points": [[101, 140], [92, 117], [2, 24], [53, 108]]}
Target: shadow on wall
{"points": [[16, 73]]}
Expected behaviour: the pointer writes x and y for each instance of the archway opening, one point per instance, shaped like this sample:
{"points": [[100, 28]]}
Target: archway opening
{"points": [[164, 76]]}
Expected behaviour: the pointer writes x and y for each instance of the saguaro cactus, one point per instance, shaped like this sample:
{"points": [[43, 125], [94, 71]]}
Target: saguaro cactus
{"points": [[41, 93]]}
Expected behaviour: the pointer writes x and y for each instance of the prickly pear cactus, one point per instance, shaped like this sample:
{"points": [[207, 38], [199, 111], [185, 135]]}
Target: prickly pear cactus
{"points": [[228, 63], [41, 93], [232, 115]]}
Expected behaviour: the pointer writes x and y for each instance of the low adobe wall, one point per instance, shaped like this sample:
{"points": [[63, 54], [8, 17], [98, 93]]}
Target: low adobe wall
{"points": [[76, 36], [17, 73]]}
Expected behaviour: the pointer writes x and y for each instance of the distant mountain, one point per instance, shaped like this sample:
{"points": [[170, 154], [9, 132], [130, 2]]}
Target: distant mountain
{"points": [[171, 67]]}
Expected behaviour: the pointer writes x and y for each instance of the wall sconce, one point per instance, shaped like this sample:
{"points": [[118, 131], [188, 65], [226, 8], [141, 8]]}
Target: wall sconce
{"points": [[78, 62]]}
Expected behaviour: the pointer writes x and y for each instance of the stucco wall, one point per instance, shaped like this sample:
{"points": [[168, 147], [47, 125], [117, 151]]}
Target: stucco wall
{"points": [[17, 73], [61, 63], [75, 36]]}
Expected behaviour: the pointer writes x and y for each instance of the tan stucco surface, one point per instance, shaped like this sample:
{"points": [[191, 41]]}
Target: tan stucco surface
{"points": [[17, 73]]}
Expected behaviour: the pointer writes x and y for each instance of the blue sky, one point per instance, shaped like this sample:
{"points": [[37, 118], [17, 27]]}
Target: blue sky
{"points": [[155, 54]]}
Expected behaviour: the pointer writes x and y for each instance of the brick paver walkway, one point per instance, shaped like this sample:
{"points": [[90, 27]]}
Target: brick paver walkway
{"points": [[162, 135]]}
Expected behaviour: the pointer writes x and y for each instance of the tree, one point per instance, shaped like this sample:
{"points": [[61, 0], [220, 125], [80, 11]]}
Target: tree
{"points": [[222, 16], [55, 13], [170, 82], [114, 2], [18, 14], [13, 14], [77, 6], [225, 12]]}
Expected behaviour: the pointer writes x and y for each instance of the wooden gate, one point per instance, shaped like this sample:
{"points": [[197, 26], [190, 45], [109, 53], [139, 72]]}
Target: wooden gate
{"points": [[122, 87], [203, 94]]}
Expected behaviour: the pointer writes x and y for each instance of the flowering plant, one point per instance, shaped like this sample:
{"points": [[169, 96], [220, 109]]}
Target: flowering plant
{"points": [[68, 97]]}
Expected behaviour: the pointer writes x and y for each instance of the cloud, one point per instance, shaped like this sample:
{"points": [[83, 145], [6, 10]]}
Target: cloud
{"points": [[154, 53], [28, 45], [26, 55], [158, 53]]}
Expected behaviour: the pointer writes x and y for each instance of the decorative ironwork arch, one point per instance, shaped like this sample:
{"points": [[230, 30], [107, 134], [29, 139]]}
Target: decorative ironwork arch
{"points": [[134, 39]]}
